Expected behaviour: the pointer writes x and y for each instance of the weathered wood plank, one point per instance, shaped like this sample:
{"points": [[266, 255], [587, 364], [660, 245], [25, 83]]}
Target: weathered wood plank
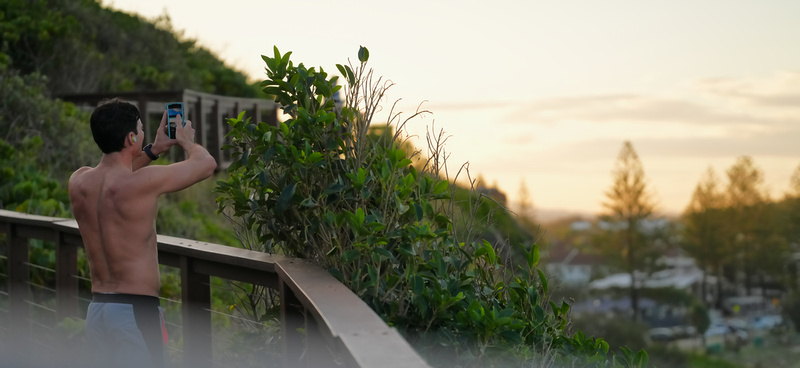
{"points": [[195, 308], [310, 297], [365, 339]]}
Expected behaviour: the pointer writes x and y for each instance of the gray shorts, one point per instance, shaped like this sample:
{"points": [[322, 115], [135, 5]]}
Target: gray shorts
{"points": [[125, 330]]}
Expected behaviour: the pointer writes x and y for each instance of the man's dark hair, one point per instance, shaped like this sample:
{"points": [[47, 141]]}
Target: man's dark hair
{"points": [[111, 122]]}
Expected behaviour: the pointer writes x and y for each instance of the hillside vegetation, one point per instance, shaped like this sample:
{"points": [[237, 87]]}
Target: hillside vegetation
{"points": [[52, 48], [83, 47], [447, 282]]}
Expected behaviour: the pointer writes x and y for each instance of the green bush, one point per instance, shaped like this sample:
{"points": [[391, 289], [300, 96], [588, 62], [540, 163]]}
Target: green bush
{"points": [[23, 188], [322, 187], [52, 134], [617, 330]]}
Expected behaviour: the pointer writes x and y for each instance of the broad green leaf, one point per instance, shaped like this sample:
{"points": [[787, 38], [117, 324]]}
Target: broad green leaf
{"points": [[440, 187], [341, 70], [245, 156], [383, 253], [418, 284], [543, 280], [336, 187], [332, 251], [406, 250], [372, 272], [363, 54], [350, 255], [642, 359], [263, 178], [419, 212], [270, 62], [285, 129], [359, 215], [286, 197]]}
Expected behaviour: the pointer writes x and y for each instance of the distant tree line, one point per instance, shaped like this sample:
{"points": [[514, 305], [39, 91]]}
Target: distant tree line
{"points": [[734, 230]]}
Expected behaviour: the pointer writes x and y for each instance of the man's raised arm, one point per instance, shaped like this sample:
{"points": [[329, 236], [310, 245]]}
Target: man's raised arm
{"points": [[198, 165], [161, 144]]}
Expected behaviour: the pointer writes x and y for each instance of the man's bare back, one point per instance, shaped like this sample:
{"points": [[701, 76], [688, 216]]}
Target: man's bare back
{"points": [[118, 228], [115, 205]]}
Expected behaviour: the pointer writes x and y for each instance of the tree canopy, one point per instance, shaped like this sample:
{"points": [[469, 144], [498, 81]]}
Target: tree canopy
{"points": [[629, 202]]}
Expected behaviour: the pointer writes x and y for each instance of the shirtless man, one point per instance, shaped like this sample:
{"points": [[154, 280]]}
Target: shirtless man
{"points": [[115, 205]]}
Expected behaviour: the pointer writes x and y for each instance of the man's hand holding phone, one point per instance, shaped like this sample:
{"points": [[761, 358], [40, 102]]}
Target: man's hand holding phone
{"points": [[184, 133], [162, 142], [168, 132]]}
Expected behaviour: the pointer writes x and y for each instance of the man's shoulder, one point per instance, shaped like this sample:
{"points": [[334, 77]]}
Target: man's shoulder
{"points": [[77, 174], [82, 170]]}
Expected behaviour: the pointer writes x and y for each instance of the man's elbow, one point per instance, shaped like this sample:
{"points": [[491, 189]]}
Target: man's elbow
{"points": [[209, 166]]}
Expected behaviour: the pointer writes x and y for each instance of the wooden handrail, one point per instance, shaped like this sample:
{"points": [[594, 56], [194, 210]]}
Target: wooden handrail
{"points": [[206, 111], [311, 298]]}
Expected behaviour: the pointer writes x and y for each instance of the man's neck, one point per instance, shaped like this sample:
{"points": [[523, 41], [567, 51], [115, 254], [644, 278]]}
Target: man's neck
{"points": [[117, 160]]}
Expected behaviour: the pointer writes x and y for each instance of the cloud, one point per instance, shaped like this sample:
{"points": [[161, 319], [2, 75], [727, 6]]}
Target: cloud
{"points": [[641, 109], [568, 157], [766, 102], [780, 90], [467, 105]]}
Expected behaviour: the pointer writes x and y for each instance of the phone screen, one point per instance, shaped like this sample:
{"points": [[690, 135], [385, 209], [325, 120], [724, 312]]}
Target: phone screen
{"points": [[173, 110]]}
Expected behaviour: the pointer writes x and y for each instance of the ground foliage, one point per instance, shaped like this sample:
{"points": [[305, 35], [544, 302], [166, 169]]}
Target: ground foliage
{"points": [[320, 186]]}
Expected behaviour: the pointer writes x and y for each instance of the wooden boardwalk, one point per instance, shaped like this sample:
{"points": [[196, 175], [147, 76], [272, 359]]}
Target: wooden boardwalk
{"points": [[324, 324], [206, 111]]}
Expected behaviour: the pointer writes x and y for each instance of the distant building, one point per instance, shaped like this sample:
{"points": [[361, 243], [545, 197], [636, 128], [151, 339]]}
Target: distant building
{"points": [[581, 225], [570, 266], [680, 273]]}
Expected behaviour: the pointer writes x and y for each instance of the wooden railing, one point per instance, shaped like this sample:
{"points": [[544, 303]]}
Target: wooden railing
{"points": [[207, 112], [323, 323]]}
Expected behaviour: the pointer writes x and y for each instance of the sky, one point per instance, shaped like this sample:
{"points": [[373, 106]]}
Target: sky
{"points": [[544, 93]]}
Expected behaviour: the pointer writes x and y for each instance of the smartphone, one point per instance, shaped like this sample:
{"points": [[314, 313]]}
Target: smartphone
{"points": [[173, 110]]}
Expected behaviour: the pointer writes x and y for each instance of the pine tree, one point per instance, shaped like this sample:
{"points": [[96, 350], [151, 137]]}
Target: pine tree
{"points": [[704, 226], [745, 197], [794, 183], [526, 213], [629, 203]]}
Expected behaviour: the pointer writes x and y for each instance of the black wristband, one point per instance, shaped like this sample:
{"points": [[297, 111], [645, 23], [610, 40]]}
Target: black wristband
{"points": [[149, 153]]}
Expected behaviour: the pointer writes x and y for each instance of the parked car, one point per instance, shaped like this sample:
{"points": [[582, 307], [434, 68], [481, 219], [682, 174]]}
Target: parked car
{"points": [[682, 332], [660, 334], [732, 335], [767, 322]]}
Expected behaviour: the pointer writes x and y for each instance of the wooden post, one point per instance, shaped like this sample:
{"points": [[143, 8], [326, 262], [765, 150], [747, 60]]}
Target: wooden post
{"points": [[292, 320], [196, 298], [66, 283], [256, 114], [142, 101], [272, 117], [199, 124], [317, 350], [19, 293], [215, 135]]}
